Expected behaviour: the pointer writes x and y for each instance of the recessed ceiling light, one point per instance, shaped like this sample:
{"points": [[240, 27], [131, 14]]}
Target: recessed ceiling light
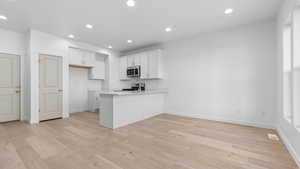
{"points": [[110, 47], [129, 41], [130, 3], [71, 36], [228, 11], [168, 29], [2, 17], [89, 26]]}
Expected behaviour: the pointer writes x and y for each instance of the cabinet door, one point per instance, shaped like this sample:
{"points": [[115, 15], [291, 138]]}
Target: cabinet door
{"points": [[123, 68], [152, 65], [88, 58], [155, 64], [137, 59], [130, 60], [98, 71], [144, 65], [75, 57]]}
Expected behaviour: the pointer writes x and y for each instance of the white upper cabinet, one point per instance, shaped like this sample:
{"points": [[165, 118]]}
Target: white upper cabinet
{"points": [[83, 58], [123, 68], [88, 58], [137, 59], [75, 57], [130, 60], [97, 72], [150, 62], [144, 65], [155, 69], [78, 57], [133, 60]]}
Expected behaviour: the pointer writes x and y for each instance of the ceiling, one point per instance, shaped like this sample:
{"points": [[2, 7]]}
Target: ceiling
{"points": [[114, 22]]}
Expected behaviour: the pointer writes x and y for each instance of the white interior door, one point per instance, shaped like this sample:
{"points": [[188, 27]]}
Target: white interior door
{"points": [[50, 87], [9, 87]]}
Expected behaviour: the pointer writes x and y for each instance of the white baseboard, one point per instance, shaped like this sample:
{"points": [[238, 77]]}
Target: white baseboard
{"points": [[218, 119], [289, 146]]}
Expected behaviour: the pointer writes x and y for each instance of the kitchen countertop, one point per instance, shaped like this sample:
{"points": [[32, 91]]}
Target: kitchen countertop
{"points": [[124, 93]]}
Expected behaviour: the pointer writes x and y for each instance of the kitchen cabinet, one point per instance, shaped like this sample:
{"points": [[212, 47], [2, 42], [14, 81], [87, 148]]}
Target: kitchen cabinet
{"points": [[88, 58], [144, 65], [79, 57], [123, 68], [97, 72], [150, 62], [93, 61], [137, 59], [75, 56], [133, 60], [130, 60], [155, 69]]}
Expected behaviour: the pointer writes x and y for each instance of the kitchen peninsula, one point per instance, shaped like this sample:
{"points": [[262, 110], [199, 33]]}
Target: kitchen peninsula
{"points": [[120, 108]]}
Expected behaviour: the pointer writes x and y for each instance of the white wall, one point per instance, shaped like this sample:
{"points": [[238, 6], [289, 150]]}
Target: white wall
{"points": [[43, 43], [79, 87], [228, 75], [14, 43], [296, 66], [287, 131]]}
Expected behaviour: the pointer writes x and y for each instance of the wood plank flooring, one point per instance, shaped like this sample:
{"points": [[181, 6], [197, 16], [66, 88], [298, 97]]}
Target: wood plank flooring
{"points": [[162, 142]]}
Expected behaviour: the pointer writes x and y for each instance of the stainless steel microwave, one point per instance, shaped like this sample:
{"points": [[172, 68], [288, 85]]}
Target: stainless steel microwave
{"points": [[134, 71]]}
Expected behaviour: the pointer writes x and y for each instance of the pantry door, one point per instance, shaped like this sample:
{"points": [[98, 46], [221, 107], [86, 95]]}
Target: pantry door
{"points": [[9, 87], [50, 73]]}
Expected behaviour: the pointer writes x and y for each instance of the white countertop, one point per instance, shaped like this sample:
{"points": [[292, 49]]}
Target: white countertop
{"points": [[123, 93]]}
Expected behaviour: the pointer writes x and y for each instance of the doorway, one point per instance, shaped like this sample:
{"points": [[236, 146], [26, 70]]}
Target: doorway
{"points": [[9, 87], [50, 91]]}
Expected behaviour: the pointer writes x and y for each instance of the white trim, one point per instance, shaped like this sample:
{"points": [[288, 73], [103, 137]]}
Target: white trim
{"points": [[289, 146], [225, 120]]}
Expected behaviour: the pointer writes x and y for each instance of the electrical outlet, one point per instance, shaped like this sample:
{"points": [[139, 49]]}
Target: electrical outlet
{"points": [[273, 137]]}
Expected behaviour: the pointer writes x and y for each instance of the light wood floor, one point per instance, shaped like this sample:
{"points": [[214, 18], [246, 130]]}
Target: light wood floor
{"points": [[163, 142]]}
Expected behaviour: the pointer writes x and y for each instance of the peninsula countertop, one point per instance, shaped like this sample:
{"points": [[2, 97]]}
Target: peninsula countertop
{"points": [[124, 93]]}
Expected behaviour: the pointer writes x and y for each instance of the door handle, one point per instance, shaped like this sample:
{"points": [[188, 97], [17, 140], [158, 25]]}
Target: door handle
{"points": [[18, 91], [60, 90]]}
